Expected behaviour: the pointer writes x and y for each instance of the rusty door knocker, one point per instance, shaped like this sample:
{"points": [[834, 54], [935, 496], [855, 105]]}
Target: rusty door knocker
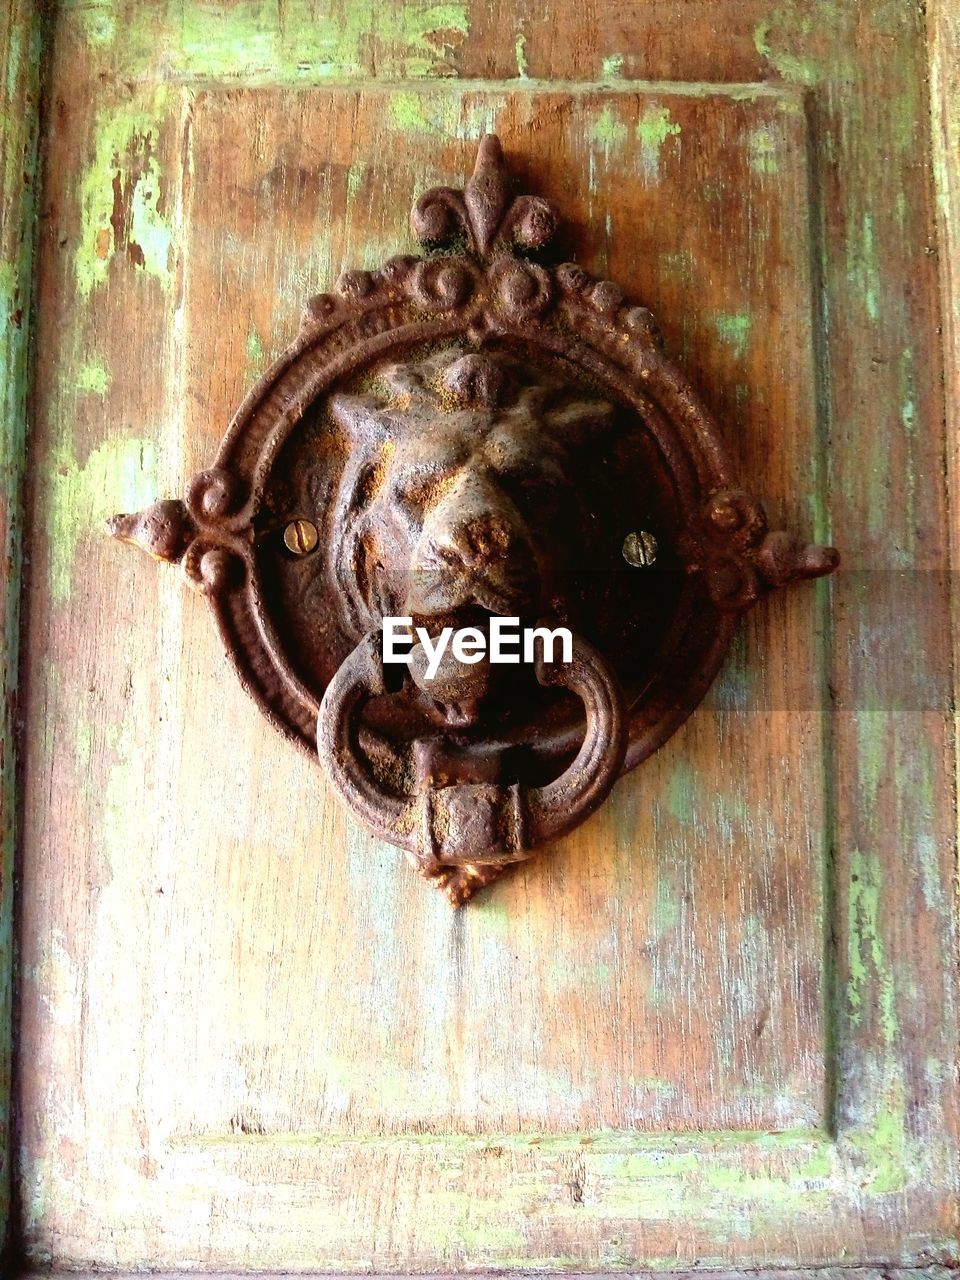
{"points": [[453, 439]]}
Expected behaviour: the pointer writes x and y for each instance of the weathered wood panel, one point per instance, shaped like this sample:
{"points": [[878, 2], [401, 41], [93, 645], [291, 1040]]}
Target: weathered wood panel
{"points": [[155, 955], [660, 938]]}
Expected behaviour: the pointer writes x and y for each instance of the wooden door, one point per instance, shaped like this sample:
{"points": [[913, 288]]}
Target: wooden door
{"points": [[716, 1026]]}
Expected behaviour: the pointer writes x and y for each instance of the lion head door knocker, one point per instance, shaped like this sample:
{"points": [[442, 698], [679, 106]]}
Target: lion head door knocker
{"points": [[459, 440]]}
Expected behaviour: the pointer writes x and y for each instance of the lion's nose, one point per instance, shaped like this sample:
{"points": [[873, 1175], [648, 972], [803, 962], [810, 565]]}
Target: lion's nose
{"points": [[478, 540], [475, 549]]}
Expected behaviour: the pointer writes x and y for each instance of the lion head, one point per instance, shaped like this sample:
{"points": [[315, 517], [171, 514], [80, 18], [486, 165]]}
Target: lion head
{"points": [[460, 491]]}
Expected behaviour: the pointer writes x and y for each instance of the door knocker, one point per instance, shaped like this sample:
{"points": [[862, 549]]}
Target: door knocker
{"points": [[456, 439]]}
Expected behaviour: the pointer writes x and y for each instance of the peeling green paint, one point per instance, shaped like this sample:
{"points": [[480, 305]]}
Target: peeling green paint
{"points": [[493, 915], [565, 972], [658, 1164], [800, 68], [292, 42], [863, 267], [355, 176], [99, 22], [94, 377], [256, 354], [118, 476], [608, 130], [150, 229], [520, 49], [653, 130], [612, 67], [883, 1145], [865, 949], [665, 911], [783, 41], [733, 329], [931, 876], [682, 792], [886, 1153], [638, 1178], [819, 1166], [806, 45], [451, 1228], [908, 415], [240, 41], [608, 1146], [122, 198], [908, 404], [446, 116], [406, 110], [747, 1186], [762, 151], [227, 37]]}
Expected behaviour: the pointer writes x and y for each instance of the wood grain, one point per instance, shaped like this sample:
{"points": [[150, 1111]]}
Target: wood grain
{"points": [[717, 1027]]}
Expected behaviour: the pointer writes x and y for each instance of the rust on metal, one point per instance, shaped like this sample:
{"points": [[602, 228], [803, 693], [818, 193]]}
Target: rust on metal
{"points": [[453, 438]]}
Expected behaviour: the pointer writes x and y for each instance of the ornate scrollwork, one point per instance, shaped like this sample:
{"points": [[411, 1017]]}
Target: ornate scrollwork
{"points": [[737, 557]]}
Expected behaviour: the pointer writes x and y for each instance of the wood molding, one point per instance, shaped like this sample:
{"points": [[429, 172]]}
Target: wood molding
{"points": [[943, 19], [20, 51], [932, 1272]]}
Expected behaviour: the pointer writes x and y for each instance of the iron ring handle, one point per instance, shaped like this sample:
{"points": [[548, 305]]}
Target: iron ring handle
{"points": [[467, 824]]}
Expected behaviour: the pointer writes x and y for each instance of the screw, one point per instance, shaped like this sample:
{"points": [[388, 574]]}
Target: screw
{"points": [[300, 537], [640, 549]]}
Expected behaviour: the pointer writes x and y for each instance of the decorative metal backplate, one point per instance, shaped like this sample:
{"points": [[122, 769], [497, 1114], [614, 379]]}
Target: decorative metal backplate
{"points": [[462, 435]]}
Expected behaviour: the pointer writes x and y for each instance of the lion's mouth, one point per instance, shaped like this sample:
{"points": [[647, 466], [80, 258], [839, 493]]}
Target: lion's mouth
{"points": [[456, 689]]}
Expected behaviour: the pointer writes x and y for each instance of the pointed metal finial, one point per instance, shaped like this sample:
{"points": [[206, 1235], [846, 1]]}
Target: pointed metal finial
{"points": [[483, 212], [163, 530], [485, 194]]}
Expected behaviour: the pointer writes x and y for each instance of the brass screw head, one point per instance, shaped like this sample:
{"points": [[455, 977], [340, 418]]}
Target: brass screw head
{"points": [[301, 537], [640, 549]]}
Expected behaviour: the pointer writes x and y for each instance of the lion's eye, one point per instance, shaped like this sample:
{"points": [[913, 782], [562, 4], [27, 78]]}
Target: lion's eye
{"points": [[521, 477], [366, 485], [536, 485]]}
